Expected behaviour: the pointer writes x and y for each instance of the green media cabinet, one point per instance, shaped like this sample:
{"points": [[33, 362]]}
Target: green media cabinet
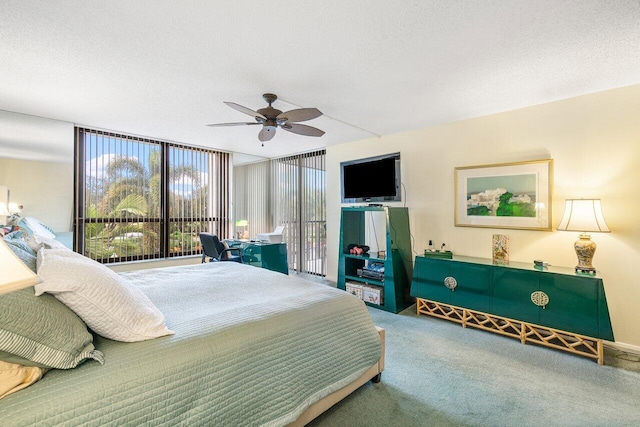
{"points": [[552, 306], [392, 226]]}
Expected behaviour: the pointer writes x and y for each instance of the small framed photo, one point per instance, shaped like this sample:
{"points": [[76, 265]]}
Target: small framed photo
{"points": [[508, 195], [500, 249]]}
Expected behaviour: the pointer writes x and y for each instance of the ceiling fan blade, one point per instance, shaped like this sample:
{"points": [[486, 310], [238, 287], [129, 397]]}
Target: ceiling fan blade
{"points": [[302, 129], [245, 110], [233, 124], [299, 115], [267, 133]]}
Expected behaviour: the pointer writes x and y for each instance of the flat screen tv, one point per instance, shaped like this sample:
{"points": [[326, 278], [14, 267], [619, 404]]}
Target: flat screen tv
{"points": [[370, 180]]}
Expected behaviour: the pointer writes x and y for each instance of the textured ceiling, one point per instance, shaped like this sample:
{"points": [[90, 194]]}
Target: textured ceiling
{"points": [[163, 68]]}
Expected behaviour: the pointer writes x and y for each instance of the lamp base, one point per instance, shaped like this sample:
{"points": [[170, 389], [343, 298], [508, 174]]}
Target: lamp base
{"points": [[585, 270], [585, 249]]}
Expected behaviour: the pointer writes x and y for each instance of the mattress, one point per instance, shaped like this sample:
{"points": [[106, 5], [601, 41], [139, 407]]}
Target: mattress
{"points": [[251, 347]]}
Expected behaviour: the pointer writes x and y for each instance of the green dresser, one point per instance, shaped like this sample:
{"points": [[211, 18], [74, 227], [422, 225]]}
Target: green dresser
{"points": [[576, 303], [272, 256], [473, 283], [554, 306]]}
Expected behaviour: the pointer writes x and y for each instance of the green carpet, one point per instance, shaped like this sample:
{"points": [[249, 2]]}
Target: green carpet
{"points": [[440, 374]]}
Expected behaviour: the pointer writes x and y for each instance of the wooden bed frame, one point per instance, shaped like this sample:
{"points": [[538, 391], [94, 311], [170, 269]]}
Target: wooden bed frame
{"points": [[372, 374]]}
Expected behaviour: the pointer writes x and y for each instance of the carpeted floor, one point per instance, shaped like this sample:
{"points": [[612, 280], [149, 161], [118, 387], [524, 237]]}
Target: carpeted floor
{"points": [[440, 374]]}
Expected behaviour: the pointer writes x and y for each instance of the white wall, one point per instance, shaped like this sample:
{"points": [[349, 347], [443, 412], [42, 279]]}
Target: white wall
{"points": [[44, 189], [4, 200], [23, 136], [594, 141], [36, 164]]}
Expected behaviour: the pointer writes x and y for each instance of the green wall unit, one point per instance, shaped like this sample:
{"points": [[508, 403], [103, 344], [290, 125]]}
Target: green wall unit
{"points": [[355, 228]]}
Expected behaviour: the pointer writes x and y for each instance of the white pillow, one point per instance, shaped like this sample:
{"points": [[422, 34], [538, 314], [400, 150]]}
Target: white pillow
{"points": [[38, 228], [108, 303], [37, 242]]}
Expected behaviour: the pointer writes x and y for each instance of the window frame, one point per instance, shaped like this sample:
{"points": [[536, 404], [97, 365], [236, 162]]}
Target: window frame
{"points": [[217, 221]]}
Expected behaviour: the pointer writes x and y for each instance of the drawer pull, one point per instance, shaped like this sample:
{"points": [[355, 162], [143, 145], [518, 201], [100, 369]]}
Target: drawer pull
{"points": [[540, 299], [450, 282]]}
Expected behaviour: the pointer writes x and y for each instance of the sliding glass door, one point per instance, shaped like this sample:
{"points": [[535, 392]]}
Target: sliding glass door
{"points": [[288, 192], [298, 191]]}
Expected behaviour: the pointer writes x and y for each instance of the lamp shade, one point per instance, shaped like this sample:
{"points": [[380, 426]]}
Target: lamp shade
{"points": [[242, 223], [14, 274], [583, 215], [14, 208]]}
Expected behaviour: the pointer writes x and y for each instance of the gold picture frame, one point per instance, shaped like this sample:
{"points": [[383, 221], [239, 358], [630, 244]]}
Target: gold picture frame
{"points": [[509, 195]]}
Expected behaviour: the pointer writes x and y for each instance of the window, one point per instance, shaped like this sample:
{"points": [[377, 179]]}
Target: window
{"points": [[138, 198]]}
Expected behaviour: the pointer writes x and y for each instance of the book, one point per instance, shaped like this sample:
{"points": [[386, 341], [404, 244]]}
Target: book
{"points": [[373, 295], [354, 289]]}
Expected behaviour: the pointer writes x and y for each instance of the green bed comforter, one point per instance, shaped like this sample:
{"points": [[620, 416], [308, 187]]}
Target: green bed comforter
{"points": [[251, 347]]}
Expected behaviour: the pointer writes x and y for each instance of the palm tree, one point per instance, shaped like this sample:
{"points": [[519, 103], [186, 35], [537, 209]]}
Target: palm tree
{"points": [[104, 240], [132, 198], [127, 197]]}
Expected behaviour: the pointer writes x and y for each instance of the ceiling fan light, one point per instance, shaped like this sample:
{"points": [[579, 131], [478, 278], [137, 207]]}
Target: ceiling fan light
{"points": [[271, 118]]}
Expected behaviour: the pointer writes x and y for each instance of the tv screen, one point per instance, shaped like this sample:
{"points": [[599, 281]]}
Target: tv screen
{"points": [[374, 179]]}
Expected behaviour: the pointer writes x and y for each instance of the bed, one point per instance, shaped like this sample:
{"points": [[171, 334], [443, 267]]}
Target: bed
{"points": [[250, 347]]}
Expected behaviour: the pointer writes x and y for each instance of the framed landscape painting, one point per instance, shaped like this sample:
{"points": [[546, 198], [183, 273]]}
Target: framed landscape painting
{"points": [[508, 195]]}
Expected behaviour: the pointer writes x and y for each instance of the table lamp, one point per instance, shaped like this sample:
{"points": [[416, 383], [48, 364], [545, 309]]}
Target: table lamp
{"points": [[9, 212], [584, 215], [243, 223], [15, 274], [4, 213]]}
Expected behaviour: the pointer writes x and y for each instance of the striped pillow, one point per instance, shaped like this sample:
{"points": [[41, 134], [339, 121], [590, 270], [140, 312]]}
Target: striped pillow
{"points": [[41, 331]]}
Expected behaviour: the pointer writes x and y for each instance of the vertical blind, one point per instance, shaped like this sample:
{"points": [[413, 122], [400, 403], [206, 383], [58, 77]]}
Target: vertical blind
{"points": [[299, 204], [252, 199], [137, 198]]}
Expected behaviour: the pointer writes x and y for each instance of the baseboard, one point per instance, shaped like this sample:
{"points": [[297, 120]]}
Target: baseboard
{"points": [[623, 347]]}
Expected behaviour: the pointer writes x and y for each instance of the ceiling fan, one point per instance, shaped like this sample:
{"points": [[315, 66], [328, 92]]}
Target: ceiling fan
{"points": [[271, 118]]}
